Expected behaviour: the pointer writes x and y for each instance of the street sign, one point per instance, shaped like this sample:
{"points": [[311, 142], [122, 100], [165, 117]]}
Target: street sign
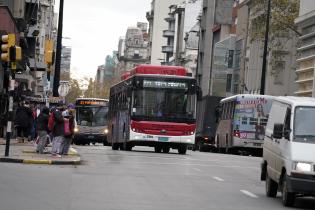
{"points": [[63, 89]]}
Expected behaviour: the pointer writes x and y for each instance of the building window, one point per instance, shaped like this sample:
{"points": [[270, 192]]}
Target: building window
{"points": [[279, 72], [230, 58]]}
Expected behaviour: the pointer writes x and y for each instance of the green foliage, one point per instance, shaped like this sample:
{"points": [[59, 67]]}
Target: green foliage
{"points": [[75, 91], [89, 93], [283, 14]]}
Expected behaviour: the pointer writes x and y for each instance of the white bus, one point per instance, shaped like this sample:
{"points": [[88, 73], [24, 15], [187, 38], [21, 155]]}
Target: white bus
{"points": [[91, 118], [242, 124]]}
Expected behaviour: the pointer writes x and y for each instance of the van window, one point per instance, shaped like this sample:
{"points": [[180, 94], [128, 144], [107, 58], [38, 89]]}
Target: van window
{"points": [[304, 127], [276, 115]]}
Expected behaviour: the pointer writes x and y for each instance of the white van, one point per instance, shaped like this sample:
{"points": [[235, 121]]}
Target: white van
{"points": [[289, 149]]}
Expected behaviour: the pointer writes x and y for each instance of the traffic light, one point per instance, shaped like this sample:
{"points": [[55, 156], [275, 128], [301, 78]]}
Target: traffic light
{"points": [[49, 52], [9, 51], [7, 41]]}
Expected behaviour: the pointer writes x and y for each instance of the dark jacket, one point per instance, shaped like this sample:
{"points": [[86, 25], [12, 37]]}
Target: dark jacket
{"points": [[59, 125], [42, 120], [23, 117]]}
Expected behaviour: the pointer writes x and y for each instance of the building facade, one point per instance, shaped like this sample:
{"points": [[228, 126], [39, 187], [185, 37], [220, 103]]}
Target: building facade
{"points": [[157, 24], [215, 25], [133, 48], [306, 51], [280, 74], [65, 64], [182, 22]]}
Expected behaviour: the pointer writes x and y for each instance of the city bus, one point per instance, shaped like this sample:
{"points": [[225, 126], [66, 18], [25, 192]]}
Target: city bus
{"points": [[153, 106], [91, 121], [242, 124]]}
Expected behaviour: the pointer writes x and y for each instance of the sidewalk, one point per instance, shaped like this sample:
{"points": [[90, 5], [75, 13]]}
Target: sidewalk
{"points": [[25, 153]]}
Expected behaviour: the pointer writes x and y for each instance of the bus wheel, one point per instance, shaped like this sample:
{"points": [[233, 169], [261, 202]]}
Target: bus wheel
{"points": [[182, 149], [166, 149], [115, 146], [157, 149]]}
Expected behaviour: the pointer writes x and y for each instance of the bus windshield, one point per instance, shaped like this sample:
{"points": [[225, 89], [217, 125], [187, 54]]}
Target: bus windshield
{"points": [[92, 116], [164, 104]]}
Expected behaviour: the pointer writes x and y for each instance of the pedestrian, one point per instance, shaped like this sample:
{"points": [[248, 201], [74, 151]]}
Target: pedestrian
{"points": [[57, 132], [68, 115], [23, 121], [42, 129]]}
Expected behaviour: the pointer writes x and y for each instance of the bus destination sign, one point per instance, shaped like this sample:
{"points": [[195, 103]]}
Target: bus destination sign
{"points": [[97, 103], [164, 84]]}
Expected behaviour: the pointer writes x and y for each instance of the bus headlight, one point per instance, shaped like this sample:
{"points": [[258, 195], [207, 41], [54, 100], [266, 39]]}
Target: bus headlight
{"points": [[302, 167], [106, 131], [76, 129]]}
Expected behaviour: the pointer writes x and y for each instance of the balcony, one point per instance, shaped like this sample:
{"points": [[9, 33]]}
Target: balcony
{"points": [[168, 33], [170, 19], [167, 49], [150, 15]]}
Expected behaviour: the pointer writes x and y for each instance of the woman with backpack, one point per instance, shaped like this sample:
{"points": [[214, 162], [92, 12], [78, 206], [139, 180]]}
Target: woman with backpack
{"points": [[42, 129], [56, 126], [68, 131]]}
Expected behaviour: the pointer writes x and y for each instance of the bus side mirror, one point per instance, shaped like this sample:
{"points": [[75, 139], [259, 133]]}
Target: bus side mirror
{"points": [[199, 93]]}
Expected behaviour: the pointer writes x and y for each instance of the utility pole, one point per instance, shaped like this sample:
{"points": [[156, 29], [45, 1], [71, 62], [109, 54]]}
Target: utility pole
{"points": [[264, 64], [58, 51]]}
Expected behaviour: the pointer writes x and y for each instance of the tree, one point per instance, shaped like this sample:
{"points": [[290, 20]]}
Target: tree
{"points": [[283, 15], [282, 28], [90, 92], [74, 92]]}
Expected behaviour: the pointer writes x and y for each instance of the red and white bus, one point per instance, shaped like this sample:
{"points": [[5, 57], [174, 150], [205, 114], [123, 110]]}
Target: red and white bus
{"points": [[153, 106]]}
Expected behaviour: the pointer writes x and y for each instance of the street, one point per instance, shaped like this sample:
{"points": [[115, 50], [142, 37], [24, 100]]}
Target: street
{"points": [[141, 179]]}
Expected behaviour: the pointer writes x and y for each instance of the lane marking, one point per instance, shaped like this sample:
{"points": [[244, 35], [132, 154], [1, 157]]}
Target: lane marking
{"points": [[218, 179], [252, 195], [184, 164], [197, 169]]}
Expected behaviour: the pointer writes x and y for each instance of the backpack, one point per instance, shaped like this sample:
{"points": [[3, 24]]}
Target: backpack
{"points": [[51, 122], [67, 130]]}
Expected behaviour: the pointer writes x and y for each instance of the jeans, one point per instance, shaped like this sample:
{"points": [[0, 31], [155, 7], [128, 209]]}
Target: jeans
{"points": [[66, 145], [57, 145], [42, 135]]}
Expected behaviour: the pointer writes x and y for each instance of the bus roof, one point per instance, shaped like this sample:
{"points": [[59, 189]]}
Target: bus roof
{"points": [[155, 70], [245, 96], [92, 99]]}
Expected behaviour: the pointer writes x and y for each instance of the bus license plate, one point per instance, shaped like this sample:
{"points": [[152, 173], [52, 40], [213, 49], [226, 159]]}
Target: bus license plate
{"points": [[164, 139], [257, 144], [90, 137]]}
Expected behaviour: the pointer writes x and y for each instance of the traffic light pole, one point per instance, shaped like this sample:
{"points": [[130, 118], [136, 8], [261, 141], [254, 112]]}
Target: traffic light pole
{"points": [[58, 51], [10, 110]]}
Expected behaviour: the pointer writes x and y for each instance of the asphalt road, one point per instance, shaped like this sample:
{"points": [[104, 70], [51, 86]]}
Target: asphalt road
{"points": [[140, 180]]}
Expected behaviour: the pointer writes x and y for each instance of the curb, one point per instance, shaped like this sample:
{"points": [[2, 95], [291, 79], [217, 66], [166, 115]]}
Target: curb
{"points": [[45, 162], [33, 152]]}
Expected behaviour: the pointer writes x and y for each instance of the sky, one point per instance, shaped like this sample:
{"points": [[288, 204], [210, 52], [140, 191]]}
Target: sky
{"points": [[95, 26]]}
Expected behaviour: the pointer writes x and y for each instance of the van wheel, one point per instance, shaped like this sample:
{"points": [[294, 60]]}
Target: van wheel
{"points": [[288, 198], [271, 187]]}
